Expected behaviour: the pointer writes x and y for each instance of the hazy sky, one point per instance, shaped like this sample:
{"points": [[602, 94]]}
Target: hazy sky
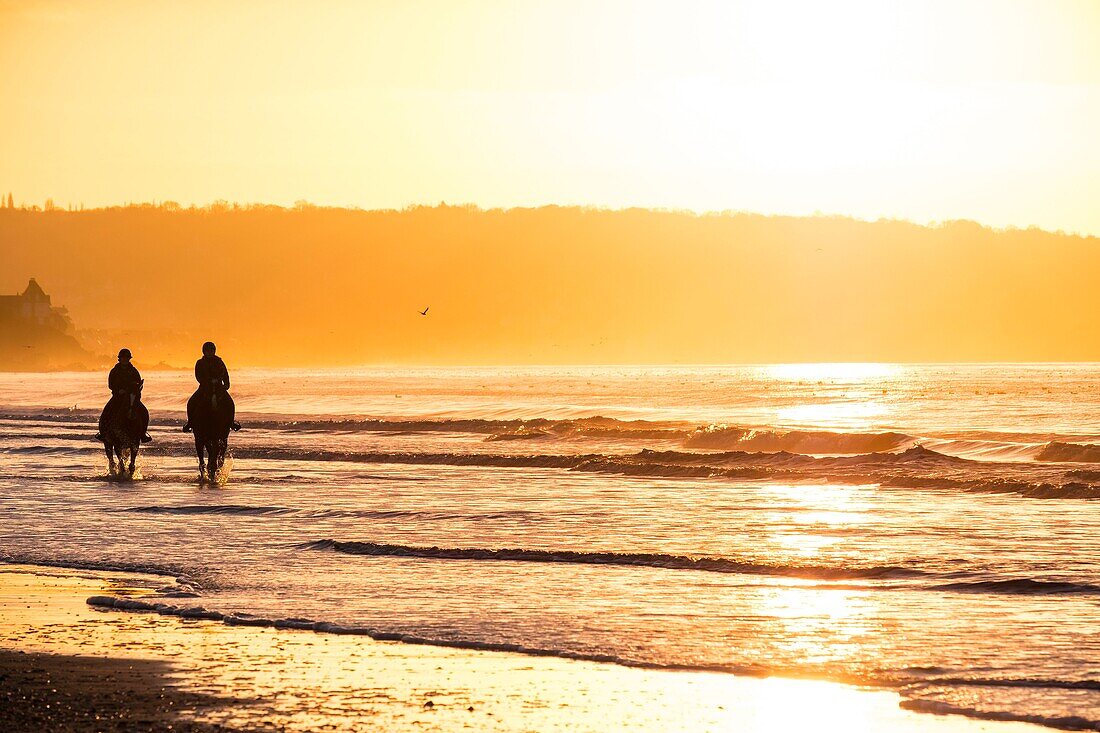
{"points": [[981, 109]]}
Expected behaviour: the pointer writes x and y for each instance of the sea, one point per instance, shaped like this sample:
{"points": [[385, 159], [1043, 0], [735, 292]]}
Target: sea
{"points": [[931, 529]]}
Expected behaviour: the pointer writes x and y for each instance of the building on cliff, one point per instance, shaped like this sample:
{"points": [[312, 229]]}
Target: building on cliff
{"points": [[37, 335], [33, 306]]}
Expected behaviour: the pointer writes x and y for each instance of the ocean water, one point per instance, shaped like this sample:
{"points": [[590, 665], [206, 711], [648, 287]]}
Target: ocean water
{"points": [[932, 529]]}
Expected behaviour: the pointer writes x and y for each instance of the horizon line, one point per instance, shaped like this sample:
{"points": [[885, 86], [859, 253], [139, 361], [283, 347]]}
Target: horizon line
{"points": [[219, 206], [162, 365]]}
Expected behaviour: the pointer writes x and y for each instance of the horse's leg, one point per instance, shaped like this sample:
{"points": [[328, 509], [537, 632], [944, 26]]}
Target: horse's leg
{"points": [[213, 460], [198, 452], [133, 458], [121, 461], [110, 458]]}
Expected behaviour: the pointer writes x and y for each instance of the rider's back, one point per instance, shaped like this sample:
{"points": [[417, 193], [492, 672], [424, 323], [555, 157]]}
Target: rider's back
{"points": [[209, 369], [124, 377]]}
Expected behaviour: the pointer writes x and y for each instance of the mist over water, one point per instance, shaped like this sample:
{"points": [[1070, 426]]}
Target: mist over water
{"points": [[929, 528]]}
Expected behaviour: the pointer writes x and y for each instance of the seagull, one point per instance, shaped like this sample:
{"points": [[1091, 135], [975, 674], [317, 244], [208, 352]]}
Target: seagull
{"points": [[424, 312]]}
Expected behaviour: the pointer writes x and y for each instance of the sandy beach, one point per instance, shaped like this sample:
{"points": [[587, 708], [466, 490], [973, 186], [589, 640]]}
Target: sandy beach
{"points": [[539, 366], [69, 666]]}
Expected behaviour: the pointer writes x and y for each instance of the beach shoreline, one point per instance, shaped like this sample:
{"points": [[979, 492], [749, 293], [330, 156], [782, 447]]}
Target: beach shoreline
{"points": [[143, 671]]}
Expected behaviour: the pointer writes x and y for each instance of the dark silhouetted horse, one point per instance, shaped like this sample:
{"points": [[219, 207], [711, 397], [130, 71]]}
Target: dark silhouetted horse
{"points": [[211, 417], [123, 425]]}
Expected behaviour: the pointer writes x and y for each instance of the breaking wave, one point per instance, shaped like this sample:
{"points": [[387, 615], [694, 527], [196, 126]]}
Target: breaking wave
{"points": [[1070, 452], [590, 427], [916, 467], [663, 561], [1026, 682], [633, 559], [281, 511], [1021, 587], [723, 437], [37, 450], [937, 707], [714, 437], [689, 464]]}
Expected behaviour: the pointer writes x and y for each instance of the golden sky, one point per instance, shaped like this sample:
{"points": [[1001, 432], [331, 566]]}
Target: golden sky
{"points": [[980, 109]]}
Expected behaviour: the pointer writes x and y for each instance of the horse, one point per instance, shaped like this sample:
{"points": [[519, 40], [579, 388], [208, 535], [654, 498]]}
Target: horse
{"points": [[210, 413], [124, 423]]}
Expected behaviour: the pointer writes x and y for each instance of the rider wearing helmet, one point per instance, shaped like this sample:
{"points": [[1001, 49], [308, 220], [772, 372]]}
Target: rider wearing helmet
{"points": [[213, 378], [124, 381]]}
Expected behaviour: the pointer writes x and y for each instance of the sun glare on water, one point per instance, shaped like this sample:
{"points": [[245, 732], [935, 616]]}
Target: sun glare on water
{"points": [[832, 372], [828, 396]]}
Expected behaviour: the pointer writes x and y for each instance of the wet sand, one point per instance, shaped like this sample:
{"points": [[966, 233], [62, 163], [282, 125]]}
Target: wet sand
{"points": [[57, 692], [64, 663]]}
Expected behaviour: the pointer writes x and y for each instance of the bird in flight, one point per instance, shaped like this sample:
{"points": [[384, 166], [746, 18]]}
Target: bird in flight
{"points": [[424, 312]]}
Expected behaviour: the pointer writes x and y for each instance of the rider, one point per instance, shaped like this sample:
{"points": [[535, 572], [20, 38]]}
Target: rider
{"points": [[213, 377], [124, 381]]}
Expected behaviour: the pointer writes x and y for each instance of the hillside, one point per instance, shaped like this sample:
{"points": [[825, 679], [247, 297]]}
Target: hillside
{"points": [[318, 286]]}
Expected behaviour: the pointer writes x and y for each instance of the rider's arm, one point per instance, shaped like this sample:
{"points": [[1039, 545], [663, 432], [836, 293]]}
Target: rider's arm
{"points": [[225, 375]]}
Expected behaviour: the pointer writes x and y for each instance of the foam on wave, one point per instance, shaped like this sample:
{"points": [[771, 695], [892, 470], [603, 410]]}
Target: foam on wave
{"points": [[325, 627], [185, 582]]}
